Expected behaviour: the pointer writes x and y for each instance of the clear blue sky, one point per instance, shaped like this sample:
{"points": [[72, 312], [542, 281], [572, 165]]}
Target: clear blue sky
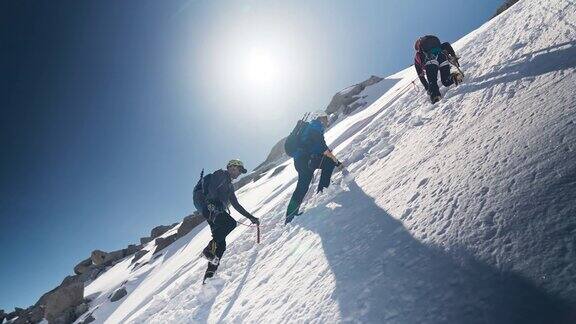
{"points": [[110, 109]]}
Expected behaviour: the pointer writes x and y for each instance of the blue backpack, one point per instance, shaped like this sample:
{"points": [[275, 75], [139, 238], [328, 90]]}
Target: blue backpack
{"points": [[295, 140]]}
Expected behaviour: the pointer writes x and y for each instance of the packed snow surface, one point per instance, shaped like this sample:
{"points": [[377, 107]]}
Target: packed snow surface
{"points": [[458, 212]]}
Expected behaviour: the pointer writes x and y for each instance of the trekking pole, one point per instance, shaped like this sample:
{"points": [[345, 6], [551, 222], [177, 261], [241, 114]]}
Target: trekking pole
{"points": [[258, 234]]}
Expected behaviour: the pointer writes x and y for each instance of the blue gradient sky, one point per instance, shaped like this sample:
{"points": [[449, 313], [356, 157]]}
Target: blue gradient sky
{"points": [[110, 109]]}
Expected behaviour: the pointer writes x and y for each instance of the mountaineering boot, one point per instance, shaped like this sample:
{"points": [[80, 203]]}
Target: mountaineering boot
{"points": [[457, 77], [210, 271], [292, 211], [207, 275], [209, 253], [435, 99]]}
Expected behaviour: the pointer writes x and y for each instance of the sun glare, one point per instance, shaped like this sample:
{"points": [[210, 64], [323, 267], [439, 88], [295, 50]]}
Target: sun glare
{"points": [[255, 59], [261, 67]]}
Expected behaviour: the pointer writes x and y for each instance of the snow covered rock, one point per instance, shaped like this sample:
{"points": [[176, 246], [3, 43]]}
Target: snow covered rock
{"points": [[342, 100]]}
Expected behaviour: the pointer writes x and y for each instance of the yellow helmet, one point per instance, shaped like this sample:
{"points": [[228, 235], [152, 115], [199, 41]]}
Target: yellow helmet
{"points": [[237, 163]]}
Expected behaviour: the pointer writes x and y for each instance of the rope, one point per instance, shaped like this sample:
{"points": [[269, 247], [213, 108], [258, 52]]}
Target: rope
{"points": [[257, 230], [252, 225]]}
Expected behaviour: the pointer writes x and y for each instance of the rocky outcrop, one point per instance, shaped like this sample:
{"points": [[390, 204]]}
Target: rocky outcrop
{"points": [[83, 266], [163, 242], [189, 223], [101, 258], [145, 240], [344, 100], [66, 303], [138, 255], [159, 230], [33, 314], [61, 303], [276, 156]]}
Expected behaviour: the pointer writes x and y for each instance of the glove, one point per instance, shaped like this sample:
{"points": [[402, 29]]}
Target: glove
{"points": [[255, 220]]}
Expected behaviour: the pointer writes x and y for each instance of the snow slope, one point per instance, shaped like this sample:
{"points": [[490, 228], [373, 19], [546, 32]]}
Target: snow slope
{"points": [[458, 212]]}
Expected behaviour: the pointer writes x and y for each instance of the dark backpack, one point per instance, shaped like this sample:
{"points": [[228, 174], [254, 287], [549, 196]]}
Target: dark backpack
{"points": [[428, 42], [294, 141]]}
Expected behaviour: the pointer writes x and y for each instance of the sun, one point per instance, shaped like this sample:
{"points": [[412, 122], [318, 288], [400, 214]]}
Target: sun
{"points": [[261, 66]]}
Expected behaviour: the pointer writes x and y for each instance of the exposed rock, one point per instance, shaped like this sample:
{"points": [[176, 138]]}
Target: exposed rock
{"points": [[131, 249], [98, 257], [2, 315], [11, 316], [189, 223], [163, 242], [81, 309], [276, 153], [95, 272], [159, 230], [104, 258], [138, 256], [83, 266], [118, 294], [33, 314], [36, 313], [61, 302], [19, 312], [275, 157], [66, 317], [342, 100], [144, 240], [70, 280]]}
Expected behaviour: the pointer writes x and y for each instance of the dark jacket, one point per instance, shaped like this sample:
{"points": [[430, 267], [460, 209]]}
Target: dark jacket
{"points": [[429, 45], [216, 188]]}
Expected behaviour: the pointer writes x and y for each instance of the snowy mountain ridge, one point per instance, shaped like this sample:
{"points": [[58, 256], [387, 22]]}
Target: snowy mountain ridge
{"points": [[456, 212]]}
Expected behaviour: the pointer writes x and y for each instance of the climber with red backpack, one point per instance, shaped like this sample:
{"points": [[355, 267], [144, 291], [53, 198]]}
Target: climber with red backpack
{"points": [[433, 56]]}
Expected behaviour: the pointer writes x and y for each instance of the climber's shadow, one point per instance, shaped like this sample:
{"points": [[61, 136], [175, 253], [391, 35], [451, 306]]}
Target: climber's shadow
{"points": [[383, 274]]}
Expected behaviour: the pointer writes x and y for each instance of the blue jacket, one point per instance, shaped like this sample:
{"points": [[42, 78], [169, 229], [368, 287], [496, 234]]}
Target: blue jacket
{"points": [[313, 141]]}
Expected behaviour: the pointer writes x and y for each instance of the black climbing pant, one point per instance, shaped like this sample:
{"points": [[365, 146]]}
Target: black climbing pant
{"points": [[305, 168], [440, 63], [222, 225]]}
